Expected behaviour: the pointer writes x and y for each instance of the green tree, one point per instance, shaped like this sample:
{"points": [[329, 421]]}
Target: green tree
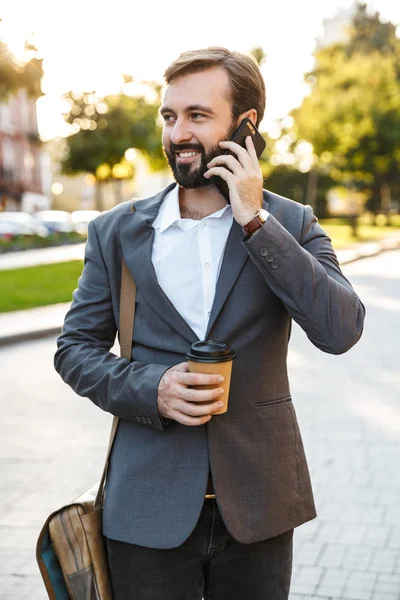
{"points": [[259, 54], [104, 128], [369, 33], [352, 114], [15, 75]]}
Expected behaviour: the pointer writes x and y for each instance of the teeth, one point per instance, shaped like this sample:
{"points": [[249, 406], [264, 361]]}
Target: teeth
{"points": [[186, 154]]}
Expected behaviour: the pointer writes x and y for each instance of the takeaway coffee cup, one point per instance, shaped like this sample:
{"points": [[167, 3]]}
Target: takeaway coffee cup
{"points": [[212, 357]]}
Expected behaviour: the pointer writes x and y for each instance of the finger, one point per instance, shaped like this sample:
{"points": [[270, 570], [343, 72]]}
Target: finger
{"points": [[196, 410], [184, 367], [221, 172], [192, 421], [242, 154], [252, 151], [199, 396], [199, 379], [179, 413], [227, 160]]}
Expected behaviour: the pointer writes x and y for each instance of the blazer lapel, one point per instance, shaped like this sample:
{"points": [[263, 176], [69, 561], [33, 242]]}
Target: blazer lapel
{"points": [[235, 257], [137, 235]]}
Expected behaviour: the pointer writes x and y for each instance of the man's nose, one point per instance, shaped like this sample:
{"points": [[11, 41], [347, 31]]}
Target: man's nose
{"points": [[180, 133]]}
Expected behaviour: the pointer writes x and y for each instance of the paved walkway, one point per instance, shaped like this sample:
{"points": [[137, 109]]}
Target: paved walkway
{"points": [[41, 256], [349, 410]]}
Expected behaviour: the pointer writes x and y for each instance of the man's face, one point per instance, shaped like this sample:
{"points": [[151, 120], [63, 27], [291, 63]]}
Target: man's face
{"points": [[197, 116]]}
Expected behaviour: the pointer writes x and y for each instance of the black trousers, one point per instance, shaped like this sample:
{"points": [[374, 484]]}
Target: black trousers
{"points": [[209, 564]]}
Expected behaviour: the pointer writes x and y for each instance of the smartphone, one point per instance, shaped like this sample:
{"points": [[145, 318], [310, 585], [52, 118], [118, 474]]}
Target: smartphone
{"points": [[245, 129]]}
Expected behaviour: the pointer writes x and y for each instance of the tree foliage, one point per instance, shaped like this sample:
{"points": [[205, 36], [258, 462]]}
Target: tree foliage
{"points": [[103, 129], [369, 33], [15, 75], [352, 114], [259, 54]]}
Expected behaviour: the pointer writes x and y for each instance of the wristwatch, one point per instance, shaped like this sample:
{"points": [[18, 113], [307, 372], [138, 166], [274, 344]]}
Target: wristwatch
{"points": [[257, 222]]}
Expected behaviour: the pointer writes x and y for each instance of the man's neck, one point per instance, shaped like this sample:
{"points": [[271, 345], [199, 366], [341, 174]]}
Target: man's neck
{"points": [[200, 202]]}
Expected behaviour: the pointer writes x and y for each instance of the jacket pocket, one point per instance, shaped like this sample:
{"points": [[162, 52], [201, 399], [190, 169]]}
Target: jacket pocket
{"points": [[276, 402]]}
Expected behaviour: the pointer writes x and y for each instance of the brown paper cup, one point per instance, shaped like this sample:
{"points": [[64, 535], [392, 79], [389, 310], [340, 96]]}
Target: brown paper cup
{"points": [[212, 368]]}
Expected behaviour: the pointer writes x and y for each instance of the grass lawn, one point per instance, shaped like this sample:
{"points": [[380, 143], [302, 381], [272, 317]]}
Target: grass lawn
{"points": [[341, 233], [38, 286]]}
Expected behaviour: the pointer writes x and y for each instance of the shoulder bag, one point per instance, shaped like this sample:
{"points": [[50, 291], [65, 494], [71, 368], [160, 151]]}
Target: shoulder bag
{"points": [[70, 550]]}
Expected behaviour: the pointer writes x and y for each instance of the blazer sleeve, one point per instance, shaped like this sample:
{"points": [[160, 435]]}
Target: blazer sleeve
{"points": [[306, 276], [83, 359]]}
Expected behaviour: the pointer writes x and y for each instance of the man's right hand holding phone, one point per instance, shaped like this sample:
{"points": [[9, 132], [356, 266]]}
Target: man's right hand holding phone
{"points": [[243, 177]]}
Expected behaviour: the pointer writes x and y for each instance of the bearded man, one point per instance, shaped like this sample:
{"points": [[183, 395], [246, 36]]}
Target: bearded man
{"points": [[198, 504]]}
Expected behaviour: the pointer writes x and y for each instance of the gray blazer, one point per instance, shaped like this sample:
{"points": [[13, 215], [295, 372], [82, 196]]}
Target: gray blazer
{"points": [[158, 472]]}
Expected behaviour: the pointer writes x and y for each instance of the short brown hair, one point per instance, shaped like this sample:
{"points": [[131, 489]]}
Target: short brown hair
{"points": [[246, 82]]}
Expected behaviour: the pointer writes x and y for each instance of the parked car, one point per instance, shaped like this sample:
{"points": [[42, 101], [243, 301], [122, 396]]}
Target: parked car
{"points": [[82, 218], [20, 223], [57, 221]]}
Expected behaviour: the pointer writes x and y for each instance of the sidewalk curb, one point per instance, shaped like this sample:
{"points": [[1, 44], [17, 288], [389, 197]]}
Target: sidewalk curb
{"points": [[369, 250], [26, 336]]}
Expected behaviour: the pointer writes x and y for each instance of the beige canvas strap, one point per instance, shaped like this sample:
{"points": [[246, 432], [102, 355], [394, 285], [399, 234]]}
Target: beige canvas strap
{"points": [[126, 320]]}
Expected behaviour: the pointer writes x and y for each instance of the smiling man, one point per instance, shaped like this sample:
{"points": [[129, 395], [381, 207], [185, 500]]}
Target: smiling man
{"points": [[199, 504]]}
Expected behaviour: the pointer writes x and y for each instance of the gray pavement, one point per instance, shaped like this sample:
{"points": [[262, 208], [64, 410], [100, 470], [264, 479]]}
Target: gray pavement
{"points": [[52, 446]]}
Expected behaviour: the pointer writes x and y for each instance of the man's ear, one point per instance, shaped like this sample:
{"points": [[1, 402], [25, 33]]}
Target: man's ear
{"points": [[250, 114]]}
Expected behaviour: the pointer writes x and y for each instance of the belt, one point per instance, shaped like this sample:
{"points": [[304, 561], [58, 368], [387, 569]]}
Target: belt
{"points": [[210, 488]]}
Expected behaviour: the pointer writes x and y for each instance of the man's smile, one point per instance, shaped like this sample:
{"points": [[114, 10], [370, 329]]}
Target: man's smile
{"points": [[187, 156]]}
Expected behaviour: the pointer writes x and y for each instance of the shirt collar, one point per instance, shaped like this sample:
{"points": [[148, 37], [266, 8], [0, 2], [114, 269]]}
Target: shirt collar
{"points": [[170, 214]]}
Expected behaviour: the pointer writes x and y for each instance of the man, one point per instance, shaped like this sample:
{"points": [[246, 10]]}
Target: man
{"points": [[197, 504]]}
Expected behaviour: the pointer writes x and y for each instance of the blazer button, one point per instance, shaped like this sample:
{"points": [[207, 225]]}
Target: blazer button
{"points": [[263, 251], [269, 257], [275, 264]]}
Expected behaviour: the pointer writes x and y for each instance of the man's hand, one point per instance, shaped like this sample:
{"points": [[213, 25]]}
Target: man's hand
{"points": [[243, 176], [176, 400]]}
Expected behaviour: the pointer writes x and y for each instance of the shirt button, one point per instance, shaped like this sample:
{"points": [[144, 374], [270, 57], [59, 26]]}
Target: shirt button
{"points": [[209, 314], [207, 265]]}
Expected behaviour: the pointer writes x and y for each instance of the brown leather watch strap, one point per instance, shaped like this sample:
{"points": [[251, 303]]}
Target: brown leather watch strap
{"points": [[253, 225]]}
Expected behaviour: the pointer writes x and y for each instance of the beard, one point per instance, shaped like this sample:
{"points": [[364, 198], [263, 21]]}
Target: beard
{"points": [[186, 175]]}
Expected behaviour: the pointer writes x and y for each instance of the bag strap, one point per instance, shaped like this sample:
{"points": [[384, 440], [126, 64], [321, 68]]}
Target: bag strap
{"points": [[126, 320]]}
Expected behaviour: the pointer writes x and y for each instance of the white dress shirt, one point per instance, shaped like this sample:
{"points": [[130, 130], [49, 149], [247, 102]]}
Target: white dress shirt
{"points": [[187, 257]]}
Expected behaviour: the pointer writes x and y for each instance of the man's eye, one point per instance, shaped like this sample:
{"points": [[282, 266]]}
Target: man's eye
{"points": [[167, 118], [196, 115]]}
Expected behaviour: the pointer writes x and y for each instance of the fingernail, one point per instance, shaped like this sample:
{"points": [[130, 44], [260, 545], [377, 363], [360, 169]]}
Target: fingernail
{"points": [[221, 391], [220, 379]]}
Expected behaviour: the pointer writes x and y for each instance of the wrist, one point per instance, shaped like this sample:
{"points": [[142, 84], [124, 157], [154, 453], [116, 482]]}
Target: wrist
{"points": [[248, 216], [255, 222]]}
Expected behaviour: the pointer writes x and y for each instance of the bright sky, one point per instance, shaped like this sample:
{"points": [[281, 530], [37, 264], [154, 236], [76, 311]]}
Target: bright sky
{"points": [[87, 44]]}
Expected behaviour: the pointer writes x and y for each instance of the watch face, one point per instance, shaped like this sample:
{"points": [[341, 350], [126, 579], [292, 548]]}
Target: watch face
{"points": [[263, 214]]}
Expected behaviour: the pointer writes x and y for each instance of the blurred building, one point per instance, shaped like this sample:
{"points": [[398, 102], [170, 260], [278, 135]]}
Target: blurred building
{"points": [[21, 161]]}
